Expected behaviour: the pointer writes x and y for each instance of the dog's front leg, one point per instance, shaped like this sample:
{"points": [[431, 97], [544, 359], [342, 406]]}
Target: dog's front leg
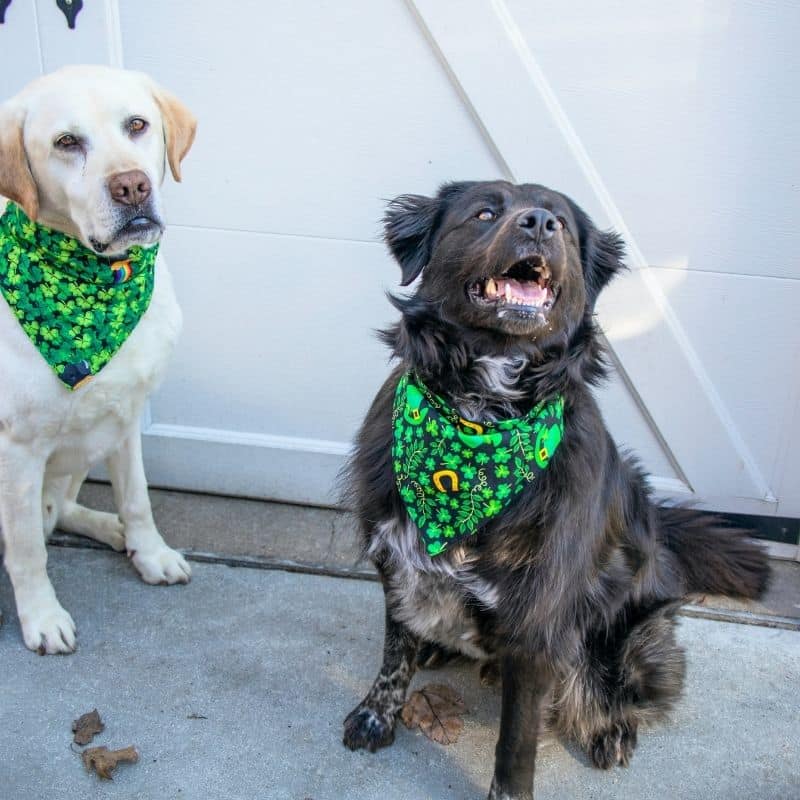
{"points": [[371, 723], [153, 559], [527, 682], [46, 626]]}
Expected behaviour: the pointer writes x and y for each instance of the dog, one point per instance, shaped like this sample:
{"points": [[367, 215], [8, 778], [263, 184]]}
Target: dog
{"points": [[83, 155], [543, 551]]}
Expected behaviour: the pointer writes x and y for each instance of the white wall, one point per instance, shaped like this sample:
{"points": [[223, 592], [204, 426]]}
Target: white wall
{"points": [[675, 123]]}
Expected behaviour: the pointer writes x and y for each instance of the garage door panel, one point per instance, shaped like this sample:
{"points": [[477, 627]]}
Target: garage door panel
{"points": [[626, 77], [669, 101], [306, 135], [277, 333], [738, 326], [87, 43], [634, 432], [19, 39], [654, 117]]}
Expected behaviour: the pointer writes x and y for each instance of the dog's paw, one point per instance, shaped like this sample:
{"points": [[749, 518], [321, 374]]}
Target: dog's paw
{"points": [[48, 629], [367, 729], [613, 746], [97, 525], [161, 565], [498, 793], [107, 528], [100, 526]]}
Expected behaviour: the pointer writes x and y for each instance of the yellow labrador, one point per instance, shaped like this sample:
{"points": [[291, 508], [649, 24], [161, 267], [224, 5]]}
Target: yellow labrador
{"points": [[84, 151]]}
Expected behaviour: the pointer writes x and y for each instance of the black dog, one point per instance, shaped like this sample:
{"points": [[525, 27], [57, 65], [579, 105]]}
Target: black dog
{"points": [[574, 586]]}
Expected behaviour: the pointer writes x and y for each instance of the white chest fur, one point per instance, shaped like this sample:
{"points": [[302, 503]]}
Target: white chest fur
{"points": [[430, 595], [71, 430]]}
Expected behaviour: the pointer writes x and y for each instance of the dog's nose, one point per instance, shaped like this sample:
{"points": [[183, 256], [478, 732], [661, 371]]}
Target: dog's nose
{"points": [[130, 188], [539, 223]]}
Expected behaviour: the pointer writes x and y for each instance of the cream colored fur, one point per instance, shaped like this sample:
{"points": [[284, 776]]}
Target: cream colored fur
{"points": [[49, 435]]}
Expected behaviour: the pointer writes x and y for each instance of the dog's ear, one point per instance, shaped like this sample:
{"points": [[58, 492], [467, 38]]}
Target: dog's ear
{"points": [[180, 127], [409, 224], [16, 180], [602, 254], [603, 257]]}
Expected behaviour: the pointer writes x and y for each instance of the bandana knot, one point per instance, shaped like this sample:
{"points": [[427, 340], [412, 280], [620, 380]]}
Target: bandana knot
{"points": [[454, 474], [76, 307]]}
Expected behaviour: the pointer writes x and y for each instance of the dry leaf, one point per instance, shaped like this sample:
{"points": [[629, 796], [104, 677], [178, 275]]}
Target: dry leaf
{"points": [[104, 761], [435, 710], [86, 726]]}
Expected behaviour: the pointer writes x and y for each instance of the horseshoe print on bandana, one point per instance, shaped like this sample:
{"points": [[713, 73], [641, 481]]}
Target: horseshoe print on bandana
{"points": [[455, 474]]}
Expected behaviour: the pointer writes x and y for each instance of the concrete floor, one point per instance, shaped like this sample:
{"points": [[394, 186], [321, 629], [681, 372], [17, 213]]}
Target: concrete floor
{"points": [[235, 687], [323, 541]]}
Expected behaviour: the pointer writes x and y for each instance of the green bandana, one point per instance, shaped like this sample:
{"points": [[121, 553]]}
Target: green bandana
{"points": [[76, 307], [453, 474]]}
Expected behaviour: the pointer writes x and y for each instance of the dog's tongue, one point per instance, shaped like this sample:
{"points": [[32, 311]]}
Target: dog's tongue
{"points": [[527, 293]]}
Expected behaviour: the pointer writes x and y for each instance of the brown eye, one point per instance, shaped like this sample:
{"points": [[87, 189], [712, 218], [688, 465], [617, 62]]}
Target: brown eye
{"points": [[137, 125], [67, 142], [486, 215]]}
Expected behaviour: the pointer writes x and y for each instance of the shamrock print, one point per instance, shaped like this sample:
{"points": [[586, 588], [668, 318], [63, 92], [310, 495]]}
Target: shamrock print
{"points": [[493, 507], [452, 460], [65, 298], [454, 475], [501, 455]]}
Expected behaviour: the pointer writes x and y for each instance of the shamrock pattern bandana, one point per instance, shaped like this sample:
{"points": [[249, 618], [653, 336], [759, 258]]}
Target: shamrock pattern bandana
{"points": [[76, 307], [453, 474]]}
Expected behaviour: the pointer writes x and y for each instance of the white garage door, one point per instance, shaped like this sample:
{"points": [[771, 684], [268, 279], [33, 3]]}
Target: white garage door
{"points": [[675, 123]]}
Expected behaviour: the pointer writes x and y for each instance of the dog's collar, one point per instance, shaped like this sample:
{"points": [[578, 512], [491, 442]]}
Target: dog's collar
{"points": [[76, 307], [453, 474]]}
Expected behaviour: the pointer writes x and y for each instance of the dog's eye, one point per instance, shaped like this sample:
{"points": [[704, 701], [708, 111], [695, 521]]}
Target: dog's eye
{"points": [[67, 142], [486, 215], [137, 125]]}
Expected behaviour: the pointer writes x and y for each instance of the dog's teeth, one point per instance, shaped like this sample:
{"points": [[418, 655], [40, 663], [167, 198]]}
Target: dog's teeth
{"points": [[508, 292], [491, 287]]}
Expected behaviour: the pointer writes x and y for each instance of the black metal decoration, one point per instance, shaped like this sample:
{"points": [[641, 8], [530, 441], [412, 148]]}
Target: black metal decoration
{"points": [[70, 9], [4, 4]]}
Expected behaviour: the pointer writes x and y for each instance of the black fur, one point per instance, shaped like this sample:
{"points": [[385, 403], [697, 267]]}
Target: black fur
{"points": [[574, 588]]}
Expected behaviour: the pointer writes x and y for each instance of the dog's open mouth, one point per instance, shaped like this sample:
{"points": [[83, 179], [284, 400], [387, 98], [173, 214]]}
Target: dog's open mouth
{"points": [[525, 289]]}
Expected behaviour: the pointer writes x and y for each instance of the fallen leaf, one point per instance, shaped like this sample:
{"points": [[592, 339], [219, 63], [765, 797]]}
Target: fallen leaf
{"points": [[104, 761], [435, 710], [86, 726]]}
